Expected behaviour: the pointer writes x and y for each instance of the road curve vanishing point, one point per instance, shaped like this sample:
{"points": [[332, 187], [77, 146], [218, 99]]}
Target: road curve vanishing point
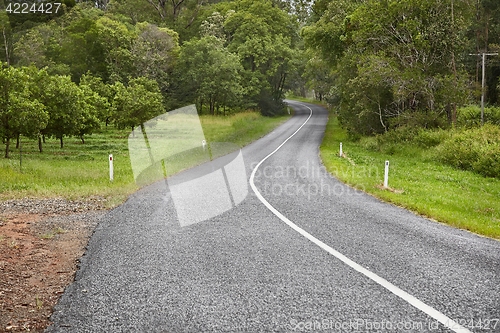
{"points": [[245, 270]]}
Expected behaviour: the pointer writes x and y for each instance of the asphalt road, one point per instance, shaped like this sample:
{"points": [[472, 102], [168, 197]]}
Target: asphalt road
{"points": [[300, 253]]}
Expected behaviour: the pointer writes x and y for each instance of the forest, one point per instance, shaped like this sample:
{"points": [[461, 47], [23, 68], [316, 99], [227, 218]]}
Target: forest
{"points": [[381, 65]]}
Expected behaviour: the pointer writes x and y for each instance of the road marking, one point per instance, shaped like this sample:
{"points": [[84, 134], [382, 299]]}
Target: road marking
{"points": [[442, 318]]}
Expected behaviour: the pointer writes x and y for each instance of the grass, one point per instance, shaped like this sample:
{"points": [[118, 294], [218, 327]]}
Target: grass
{"points": [[462, 199], [53, 233], [79, 171]]}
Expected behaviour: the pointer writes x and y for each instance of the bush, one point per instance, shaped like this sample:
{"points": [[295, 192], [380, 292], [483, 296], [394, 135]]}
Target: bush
{"points": [[476, 150], [269, 106], [369, 143], [430, 138], [402, 134], [470, 116]]}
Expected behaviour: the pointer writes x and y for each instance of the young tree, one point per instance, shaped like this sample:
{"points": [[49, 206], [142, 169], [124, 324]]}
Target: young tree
{"points": [[66, 105], [100, 95], [20, 111], [137, 103]]}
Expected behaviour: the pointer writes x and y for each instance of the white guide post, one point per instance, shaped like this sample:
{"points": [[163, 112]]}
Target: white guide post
{"points": [[111, 167], [340, 151], [386, 174]]}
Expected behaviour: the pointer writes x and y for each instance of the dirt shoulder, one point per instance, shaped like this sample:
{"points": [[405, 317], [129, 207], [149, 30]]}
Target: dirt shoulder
{"points": [[41, 241]]}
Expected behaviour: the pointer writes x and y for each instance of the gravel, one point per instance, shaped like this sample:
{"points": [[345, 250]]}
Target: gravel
{"points": [[52, 206]]}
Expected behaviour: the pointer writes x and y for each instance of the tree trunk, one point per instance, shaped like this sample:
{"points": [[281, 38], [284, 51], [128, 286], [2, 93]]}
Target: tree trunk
{"points": [[7, 146], [82, 138], [148, 146], [454, 69], [43, 138], [17, 140], [212, 106], [40, 148], [6, 43], [61, 141]]}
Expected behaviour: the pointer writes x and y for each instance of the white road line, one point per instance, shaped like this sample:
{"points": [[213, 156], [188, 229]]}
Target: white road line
{"points": [[442, 318]]}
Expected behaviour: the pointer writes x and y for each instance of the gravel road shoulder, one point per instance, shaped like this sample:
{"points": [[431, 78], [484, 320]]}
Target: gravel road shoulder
{"points": [[41, 241]]}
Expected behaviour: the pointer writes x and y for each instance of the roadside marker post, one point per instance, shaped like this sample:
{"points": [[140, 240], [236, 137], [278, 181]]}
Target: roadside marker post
{"points": [[340, 152], [111, 167], [204, 144], [386, 174]]}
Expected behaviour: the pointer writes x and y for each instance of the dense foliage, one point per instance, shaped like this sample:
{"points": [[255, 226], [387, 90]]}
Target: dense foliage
{"points": [[123, 62], [391, 63]]}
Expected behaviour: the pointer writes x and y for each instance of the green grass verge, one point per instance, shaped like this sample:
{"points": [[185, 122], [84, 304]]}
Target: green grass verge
{"points": [[459, 198], [79, 171]]}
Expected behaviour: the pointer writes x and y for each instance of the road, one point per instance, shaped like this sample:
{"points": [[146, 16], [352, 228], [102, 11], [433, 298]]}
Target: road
{"points": [[301, 252]]}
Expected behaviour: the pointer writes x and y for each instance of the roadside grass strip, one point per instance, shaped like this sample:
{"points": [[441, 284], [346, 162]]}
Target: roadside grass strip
{"points": [[417, 181]]}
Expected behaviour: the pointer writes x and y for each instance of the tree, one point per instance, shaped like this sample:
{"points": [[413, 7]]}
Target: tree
{"points": [[95, 108], [136, 103], [134, 10], [395, 62], [318, 76], [262, 35], [6, 38], [100, 95], [20, 111], [116, 41], [154, 53], [210, 74], [66, 105]]}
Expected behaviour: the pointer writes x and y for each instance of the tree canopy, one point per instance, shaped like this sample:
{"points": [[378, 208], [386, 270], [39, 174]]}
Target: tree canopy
{"points": [[381, 63]]}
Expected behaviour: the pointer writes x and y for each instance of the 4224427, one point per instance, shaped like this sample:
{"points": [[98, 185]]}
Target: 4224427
{"points": [[33, 8]]}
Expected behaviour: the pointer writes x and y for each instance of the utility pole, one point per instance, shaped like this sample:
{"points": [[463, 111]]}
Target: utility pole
{"points": [[484, 55]]}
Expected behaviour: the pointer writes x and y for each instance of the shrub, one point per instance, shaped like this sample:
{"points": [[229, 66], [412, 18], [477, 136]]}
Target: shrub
{"points": [[399, 135], [369, 143], [470, 116], [475, 149], [430, 138]]}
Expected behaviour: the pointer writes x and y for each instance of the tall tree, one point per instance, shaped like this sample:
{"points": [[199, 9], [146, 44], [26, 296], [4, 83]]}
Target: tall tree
{"points": [[154, 53], [6, 36], [415, 44], [209, 73], [262, 35]]}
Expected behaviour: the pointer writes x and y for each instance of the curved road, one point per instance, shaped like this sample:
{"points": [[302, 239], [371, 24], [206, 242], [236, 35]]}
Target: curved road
{"points": [[301, 253]]}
